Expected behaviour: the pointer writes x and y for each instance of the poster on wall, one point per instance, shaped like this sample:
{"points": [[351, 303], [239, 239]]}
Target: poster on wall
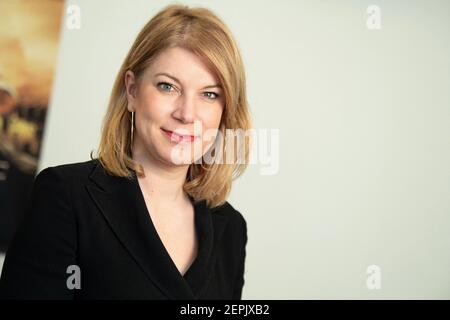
{"points": [[29, 38]]}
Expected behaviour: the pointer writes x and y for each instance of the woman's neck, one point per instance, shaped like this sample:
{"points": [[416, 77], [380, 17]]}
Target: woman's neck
{"points": [[162, 181]]}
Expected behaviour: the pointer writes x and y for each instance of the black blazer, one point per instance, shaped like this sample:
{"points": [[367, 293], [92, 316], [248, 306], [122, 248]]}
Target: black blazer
{"points": [[79, 215]]}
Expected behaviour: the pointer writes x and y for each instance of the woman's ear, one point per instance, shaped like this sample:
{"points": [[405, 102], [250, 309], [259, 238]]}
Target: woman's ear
{"points": [[130, 86]]}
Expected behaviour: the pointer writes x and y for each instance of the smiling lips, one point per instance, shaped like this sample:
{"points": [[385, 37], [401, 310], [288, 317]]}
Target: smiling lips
{"points": [[177, 137]]}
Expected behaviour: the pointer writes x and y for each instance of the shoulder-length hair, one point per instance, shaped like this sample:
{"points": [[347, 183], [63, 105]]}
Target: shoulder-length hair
{"points": [[202, 32]]}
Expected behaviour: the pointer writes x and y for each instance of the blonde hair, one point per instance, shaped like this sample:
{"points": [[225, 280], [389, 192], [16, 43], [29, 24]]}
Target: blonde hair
{"points": [[202, 32]]}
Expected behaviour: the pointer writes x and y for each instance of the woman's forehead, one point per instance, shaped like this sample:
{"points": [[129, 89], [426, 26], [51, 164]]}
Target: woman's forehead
{"points": [[184, 67]]}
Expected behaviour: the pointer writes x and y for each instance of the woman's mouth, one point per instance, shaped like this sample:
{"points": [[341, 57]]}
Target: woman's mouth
{"points": [[178, 137]]}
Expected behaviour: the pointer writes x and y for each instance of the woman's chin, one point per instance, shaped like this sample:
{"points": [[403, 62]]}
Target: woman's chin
{"points": [[179, 154], [177, 157]]}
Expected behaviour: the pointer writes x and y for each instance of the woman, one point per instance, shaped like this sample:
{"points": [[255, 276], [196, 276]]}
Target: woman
{"points": [[146, 219]]}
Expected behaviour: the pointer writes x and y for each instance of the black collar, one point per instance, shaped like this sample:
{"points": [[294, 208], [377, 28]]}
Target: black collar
{"points": [[121, 202]]}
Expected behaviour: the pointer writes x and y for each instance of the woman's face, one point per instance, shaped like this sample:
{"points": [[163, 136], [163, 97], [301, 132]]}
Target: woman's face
{"points": [[176, 94]]}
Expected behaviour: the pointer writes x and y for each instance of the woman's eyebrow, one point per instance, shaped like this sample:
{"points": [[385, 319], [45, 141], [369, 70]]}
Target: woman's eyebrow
{"points": [[179, 82]]}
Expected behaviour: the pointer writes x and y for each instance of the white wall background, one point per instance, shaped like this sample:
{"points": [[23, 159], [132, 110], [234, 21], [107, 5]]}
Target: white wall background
{"points": [[364, 120]]}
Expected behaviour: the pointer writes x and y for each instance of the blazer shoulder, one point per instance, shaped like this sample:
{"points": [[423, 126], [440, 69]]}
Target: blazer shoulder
{"points": [[237, 218], [225, 208], [71, 170]]}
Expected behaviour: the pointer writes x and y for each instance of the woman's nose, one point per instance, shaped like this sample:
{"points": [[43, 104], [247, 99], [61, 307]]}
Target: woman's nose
{"points": [[185, 111]]}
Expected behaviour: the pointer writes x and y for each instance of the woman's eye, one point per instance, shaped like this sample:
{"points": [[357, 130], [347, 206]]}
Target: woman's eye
{"points": [[215, 95], [164, 86], [167, 86]]}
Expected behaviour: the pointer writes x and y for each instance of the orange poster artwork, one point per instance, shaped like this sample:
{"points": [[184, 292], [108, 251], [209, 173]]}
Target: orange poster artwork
{"points": [[29, 39]]}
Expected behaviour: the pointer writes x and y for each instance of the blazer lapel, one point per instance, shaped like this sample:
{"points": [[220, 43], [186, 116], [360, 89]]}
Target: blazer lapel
{"points": [[121, 202], [210, 227]]}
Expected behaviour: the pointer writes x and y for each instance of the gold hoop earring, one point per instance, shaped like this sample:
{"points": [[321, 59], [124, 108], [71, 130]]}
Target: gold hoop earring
{"points": [[132, 129]]}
